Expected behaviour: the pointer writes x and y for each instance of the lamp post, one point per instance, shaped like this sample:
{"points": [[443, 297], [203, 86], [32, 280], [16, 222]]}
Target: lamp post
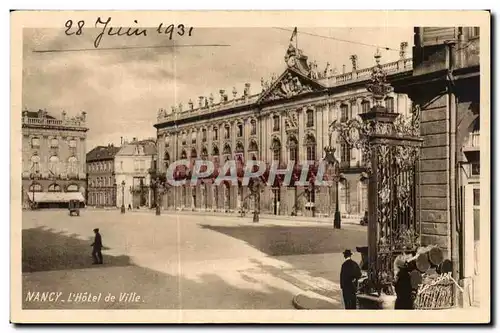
{"points": [[157, 190], [330, 159], [34, 176], [122, 210], [114, 193]]}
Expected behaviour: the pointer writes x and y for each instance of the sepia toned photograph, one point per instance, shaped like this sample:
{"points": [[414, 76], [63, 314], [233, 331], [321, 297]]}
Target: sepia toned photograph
{"points": [[276, 165]]}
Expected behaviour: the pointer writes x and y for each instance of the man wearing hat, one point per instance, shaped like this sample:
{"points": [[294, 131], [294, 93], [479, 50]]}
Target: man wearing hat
{"points": [[96, 248], [349, 275]]}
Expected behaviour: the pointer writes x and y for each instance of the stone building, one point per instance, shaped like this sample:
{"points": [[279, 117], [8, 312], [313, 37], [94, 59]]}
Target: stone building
{"points": [[101, 183], [53, 158], [288, 119], [132, 165], [445, 84]]}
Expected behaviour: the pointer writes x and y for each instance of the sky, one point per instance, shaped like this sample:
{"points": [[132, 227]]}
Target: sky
{"points": [[122, 89]]}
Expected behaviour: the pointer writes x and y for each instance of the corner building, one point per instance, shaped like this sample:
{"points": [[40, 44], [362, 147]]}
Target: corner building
{"points": [[287, 120]]}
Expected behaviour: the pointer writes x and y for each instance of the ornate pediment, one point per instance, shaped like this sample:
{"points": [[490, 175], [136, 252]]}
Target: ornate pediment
{"points": [[290, 84]]}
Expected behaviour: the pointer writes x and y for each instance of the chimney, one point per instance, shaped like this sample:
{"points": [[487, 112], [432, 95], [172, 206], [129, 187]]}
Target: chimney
{"points": [[134, 139], [191, 105], [200, 101], [63, 115], [343, 69]]}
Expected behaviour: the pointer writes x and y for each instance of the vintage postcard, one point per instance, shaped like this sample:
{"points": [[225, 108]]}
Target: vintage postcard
{"points": [[250, 167]]}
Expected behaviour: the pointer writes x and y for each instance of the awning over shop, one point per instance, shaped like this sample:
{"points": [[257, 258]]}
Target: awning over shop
{"points": [[56, 196]]}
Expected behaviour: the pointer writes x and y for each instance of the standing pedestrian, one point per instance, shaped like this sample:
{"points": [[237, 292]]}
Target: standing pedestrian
{"points": [[349, 276], [97, 247], [404, 290]]}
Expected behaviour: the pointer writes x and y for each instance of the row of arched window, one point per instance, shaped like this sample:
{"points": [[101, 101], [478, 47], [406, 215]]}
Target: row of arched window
{"points": [[276, 147], [54, 165], [37, 187]]}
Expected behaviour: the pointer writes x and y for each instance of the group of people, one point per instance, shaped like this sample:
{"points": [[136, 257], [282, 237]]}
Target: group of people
{"points": [[350, 273]]}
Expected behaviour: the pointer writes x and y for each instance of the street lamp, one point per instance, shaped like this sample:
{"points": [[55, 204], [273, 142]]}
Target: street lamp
{"points": [[34, 176], [330, 159], [255, 188], [122, 210], [157, 190], [114, 193]]}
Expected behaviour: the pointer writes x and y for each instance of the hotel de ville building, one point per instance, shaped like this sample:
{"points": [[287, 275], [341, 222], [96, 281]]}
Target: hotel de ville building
{"points": [[287, 119]]}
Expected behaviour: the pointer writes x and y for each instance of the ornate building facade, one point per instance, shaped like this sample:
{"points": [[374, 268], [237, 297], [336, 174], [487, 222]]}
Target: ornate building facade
{"points": [[53, 158], [132, 165], [288, 119], [101, 181]]}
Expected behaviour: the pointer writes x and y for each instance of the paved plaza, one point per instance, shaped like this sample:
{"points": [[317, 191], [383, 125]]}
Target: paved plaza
{"points": [[179, 261]]}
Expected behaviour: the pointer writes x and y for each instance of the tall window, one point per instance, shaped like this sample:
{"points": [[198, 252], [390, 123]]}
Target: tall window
{"points": [[227, 132], [253, 127], [253, 146], [184, 138], [311, 148], [167, 141], [35, 163], [216, 134], [240, 130], [54, 164], [72, 166], [310, 118], [204, 135], [276, 148], [276, 123], [345, 153], [389, 104], [344, 109], [72, 143], [365, 106], [293, 150], [54, 143], [193, 137], [35, 143], [474, 32]]}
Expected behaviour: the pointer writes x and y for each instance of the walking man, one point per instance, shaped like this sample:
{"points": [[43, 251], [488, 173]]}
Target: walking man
{"points": [[96, 248], [349, 275]]}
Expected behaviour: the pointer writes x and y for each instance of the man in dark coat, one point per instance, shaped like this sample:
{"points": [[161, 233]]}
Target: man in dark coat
{"points": [[349, 275], [96, 248]]}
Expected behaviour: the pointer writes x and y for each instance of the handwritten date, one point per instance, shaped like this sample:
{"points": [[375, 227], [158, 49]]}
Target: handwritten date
{"points": [[76, 28]]}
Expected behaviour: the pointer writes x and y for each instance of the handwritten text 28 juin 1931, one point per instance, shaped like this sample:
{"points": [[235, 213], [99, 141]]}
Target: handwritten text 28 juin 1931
{"points": [[76, 28]]}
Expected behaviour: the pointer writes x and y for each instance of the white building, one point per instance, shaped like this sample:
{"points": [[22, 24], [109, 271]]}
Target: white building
{"points": [[132, 164]]}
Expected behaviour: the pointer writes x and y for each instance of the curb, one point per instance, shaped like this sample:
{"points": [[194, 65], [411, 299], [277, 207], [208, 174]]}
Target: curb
{"points": [[310, 300]]}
